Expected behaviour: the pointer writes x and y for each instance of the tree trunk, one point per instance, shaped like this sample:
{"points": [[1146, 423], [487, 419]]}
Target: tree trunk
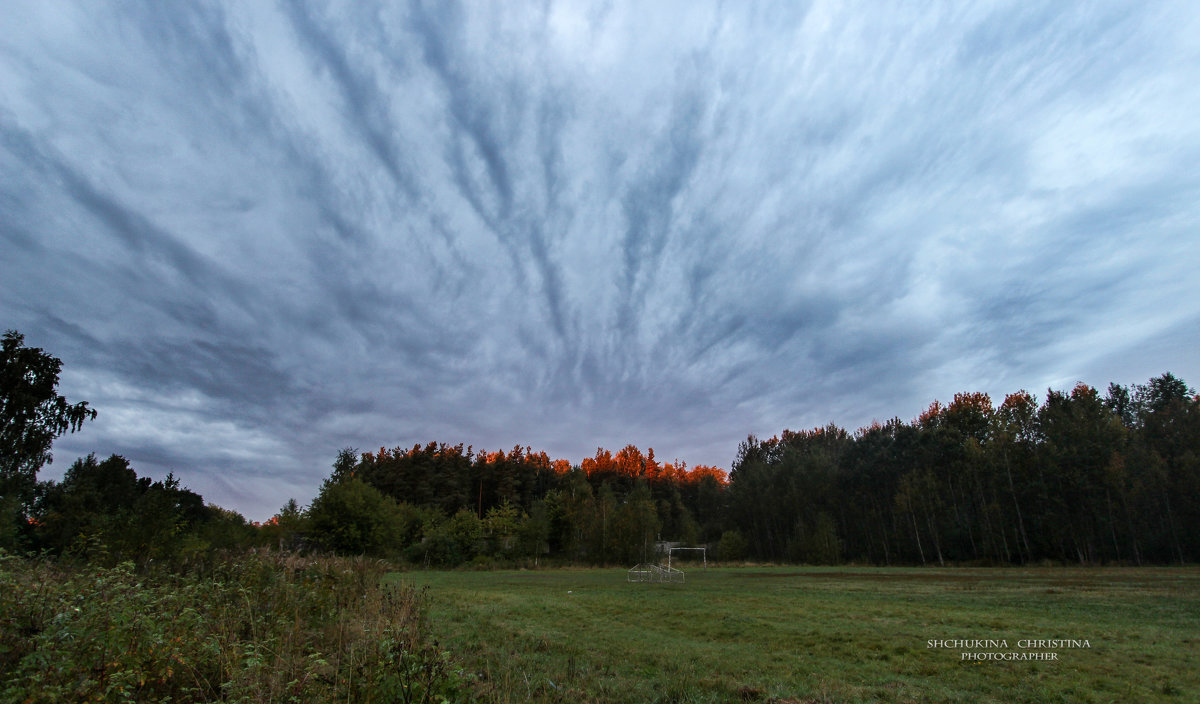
{"points": [[1017, 505], [920, 550]]}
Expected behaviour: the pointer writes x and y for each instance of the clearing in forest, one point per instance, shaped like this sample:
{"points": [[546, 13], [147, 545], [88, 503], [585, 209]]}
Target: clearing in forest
{"points": [[833, 634]]}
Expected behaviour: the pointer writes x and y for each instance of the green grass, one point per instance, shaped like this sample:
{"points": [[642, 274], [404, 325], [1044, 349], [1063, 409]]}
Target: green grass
{"points": [[789, 634]]}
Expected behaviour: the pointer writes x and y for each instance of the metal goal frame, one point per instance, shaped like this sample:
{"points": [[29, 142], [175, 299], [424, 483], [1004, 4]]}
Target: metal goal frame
{"points": [[658, 574], [703, 555]]}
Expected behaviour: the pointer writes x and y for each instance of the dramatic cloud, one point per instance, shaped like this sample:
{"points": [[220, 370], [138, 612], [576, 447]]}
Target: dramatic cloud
{"points": [[257, 233]]}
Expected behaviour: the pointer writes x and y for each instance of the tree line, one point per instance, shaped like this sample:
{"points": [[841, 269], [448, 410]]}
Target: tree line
{"points": [[1079, 477], [440, 504]]}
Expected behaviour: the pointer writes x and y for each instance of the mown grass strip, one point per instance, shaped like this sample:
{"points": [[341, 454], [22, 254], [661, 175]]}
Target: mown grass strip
{"points": [[821, 634]]}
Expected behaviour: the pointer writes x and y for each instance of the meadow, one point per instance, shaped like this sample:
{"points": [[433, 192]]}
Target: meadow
{"points": [[809, 634]]}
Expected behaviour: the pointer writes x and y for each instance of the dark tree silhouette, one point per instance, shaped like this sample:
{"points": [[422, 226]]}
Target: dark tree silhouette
{"points": [[32, 415]]}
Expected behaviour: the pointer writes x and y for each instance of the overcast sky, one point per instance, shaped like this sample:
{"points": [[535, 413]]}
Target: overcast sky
{"points": [[256, 233]]}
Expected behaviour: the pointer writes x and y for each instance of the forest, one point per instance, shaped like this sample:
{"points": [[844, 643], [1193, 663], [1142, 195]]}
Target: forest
{"points": [[1077, 478]]}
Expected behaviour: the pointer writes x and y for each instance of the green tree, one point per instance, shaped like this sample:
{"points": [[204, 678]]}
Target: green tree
{"points": [[345, 464], [634, 526], [534, 530], [732, 546], [32, 415], [1168, 420], [103, 510], [1080, 441], [500, 527], [222, 529], [451, 542], [91, 509], [351, 517], [820, 543], [286, 529]]}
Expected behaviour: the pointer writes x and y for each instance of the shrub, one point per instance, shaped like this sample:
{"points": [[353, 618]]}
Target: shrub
{"points": [[732, 546], [353, 518], [243, 629]]}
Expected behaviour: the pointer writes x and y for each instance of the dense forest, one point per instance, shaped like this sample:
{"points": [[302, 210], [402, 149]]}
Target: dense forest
{"points": [[1080, 477]]}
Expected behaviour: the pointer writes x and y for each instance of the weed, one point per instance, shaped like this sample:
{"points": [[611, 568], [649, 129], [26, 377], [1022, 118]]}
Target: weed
{"points": [[244, 628]]}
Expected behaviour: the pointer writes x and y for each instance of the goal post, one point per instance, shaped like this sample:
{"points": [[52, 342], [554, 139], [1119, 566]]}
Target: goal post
{"points": [[703, 555]]}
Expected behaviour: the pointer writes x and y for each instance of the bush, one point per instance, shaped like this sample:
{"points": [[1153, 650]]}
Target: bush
{"points": [[452, 542], [732, 546], [245, 629], [353, 518]]}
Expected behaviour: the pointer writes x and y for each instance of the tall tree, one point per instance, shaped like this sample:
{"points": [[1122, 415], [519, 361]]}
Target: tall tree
{"points": [[1168, 417], [104, 510], [1014, 433], [32, 414]]}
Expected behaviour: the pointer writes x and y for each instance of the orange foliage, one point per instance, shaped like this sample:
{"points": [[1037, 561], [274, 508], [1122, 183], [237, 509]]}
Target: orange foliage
{"points": [[931, 415], [673, 472], [791, 436], [627, 462], [1083, 391], [700, 471], [1020, 399], [630, 462], [977, 402], [653, 468], [601, 464], [541, 460]]}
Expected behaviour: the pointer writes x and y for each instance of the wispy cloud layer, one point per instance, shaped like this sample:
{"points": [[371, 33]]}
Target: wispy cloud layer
{"points": [[257, 233]]}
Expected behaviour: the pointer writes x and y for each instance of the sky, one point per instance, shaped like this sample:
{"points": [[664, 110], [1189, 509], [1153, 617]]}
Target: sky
{"points": [[257, 233]]}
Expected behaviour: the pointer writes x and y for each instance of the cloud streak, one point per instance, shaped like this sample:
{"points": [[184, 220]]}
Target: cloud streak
{"points": [[259, 233]]}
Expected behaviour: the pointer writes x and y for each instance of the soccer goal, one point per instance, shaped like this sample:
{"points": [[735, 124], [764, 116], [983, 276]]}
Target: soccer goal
{"points": [[703, 555]]}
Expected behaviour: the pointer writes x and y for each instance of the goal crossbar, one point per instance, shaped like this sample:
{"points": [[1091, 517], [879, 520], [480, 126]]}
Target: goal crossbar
{"points": [[703, 555]]}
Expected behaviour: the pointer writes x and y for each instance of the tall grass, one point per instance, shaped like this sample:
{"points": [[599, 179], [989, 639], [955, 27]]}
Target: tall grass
{"points": [[246, 628]]}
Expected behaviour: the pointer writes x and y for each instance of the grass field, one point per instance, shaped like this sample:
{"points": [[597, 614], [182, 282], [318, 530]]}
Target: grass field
{"points": [[789, 634]]}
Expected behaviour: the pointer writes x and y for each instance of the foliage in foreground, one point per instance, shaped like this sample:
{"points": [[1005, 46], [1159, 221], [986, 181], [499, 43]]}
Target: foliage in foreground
{"points": [[243, 629]]}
